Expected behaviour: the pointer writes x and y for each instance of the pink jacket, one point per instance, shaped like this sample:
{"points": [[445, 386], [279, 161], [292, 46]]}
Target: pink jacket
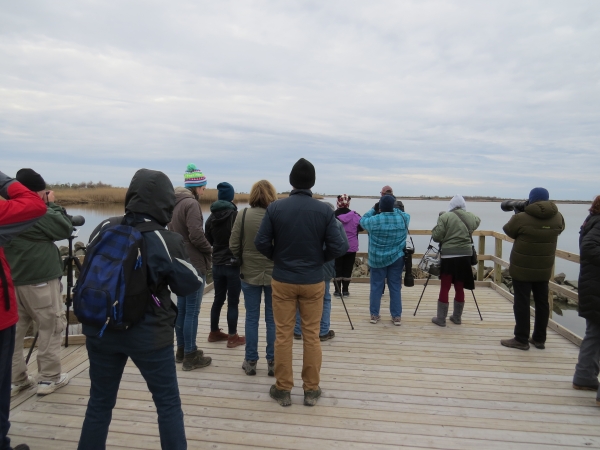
{"points": [[351, 221]]}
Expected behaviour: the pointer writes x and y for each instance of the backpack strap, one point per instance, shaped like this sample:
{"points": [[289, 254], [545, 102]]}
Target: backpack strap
{"points": [[463, 221], [242, 233]]}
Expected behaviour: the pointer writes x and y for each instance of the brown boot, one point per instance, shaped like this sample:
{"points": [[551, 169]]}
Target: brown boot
{"points": [[234, 340], [216, 336]]}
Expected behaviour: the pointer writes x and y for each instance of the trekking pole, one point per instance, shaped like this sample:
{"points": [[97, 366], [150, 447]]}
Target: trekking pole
{"points": [[337, 286], [477, 305], [424, 287], [31, 348]]}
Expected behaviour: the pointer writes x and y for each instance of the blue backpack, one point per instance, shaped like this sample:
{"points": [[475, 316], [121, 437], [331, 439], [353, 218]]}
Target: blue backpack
{"points": [[112, 289]]}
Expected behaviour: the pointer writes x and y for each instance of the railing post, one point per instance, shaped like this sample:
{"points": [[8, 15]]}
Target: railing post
{"points": [[481, 251], [498, 267]]}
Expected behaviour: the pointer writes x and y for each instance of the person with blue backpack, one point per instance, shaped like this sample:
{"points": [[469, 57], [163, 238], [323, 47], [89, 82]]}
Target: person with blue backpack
{"points": [[123, 299]]}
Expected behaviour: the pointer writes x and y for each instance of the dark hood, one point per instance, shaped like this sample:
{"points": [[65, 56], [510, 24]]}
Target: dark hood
{"points": [[222, 211], [542, 210], [151, 192]]}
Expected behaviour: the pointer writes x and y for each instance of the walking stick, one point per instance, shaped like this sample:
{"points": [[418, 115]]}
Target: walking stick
{"points": [[31, 348], [424, 287], [337, 287], [477, 305]]}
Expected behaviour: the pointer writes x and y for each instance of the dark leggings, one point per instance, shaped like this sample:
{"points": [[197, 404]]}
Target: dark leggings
{"points": [[343, 269], [459, 292], [228, 286]]}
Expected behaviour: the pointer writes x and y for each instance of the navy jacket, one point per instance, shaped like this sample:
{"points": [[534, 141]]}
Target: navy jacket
{"points": [[589, 272], [300, 234]]}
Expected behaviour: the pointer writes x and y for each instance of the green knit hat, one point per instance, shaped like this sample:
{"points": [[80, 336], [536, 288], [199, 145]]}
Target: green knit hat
{"points": [[193, 177]]}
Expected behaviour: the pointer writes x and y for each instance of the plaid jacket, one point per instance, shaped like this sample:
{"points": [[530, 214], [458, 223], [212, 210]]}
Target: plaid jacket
{"points": [[387, 236]]}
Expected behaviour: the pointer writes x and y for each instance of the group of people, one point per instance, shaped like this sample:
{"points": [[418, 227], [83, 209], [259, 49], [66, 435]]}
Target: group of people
{"points": [[284, 253]]}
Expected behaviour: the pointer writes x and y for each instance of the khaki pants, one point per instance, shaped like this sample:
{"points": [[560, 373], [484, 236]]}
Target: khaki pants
{"points": [[42, 304], [308, 298]]}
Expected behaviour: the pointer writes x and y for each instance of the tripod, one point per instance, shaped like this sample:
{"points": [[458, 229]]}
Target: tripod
{"points": [[337, 288], [425, 287]]}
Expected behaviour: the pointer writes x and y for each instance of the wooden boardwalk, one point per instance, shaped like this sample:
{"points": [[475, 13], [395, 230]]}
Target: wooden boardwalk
{"points": [[414, 386]]}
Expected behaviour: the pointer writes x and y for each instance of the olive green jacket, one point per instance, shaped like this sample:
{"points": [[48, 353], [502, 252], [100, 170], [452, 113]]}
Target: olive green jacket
{"points": [[535, 232], [33, 256], [452, 233], [256, 268]]}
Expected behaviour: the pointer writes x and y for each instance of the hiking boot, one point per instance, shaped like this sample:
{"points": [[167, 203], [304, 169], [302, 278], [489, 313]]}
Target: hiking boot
{"points": [[21, 447], [336, 294], [297, 336], [249, 367], [195, 360], [179, 355], [538, 345], [216, 336], [458, 310], [397, 321], [513, 343], [375, 319], [15, 388], [48, 387], [329, 335], [442, 312], [346, 293], [581, 387], [311, 397], [271, 367], [234, 340], [281, 397]]}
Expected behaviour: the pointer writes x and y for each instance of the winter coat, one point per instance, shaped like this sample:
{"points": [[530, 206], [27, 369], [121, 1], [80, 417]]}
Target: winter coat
{"points": [[218, 230], [589, 269], [150, 197], [33, 256], [535, 232], [351, 222], [293, 233], [188, 222], [256, 268], [387, 236], [21, 210], [453, 235]]}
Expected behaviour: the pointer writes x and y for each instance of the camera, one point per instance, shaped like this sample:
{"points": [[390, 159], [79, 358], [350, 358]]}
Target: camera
{"points": [[514, 205]]}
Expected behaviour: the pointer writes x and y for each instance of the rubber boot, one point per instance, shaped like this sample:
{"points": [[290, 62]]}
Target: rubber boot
{"points": [[345, 285], [442, 312], [195, 360], [458, 310]]}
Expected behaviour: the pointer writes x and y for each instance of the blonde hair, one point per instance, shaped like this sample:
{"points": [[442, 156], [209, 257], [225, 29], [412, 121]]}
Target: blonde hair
{"points": [[262, 194]]}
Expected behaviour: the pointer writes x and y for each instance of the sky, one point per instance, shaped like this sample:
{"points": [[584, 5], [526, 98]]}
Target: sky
{"points": [[431, 97]]}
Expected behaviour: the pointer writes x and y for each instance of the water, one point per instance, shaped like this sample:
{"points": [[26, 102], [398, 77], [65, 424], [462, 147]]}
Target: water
{"points": [[424, 214]]}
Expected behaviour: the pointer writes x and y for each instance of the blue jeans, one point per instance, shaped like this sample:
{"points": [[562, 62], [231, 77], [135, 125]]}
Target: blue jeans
{"points": [[107, 361], [393, 273], [7, 346], [228, 286], [325, 317], [186, 325], [252, 295]]}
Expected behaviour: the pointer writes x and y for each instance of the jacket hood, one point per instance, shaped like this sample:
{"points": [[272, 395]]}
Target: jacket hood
{"points": [[151, 192], [182, 193], [589, 223], [348, 217], [222, 205], [542, 210]]}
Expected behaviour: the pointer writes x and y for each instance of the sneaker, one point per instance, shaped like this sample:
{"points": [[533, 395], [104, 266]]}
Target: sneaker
{"points": [[48, 387], [397, 321], [281, 397], [375, 319], [271, 367], [216, 336], [311, 397], [336, 294], [15, 388], [235, 340], [249, 367], [581, 387], [329, 335], [513, 343], [539, 345], [297, 336], [346, 294]]}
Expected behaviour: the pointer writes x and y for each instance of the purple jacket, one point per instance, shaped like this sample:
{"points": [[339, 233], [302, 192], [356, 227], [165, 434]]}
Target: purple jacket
{"points": [[351, 223]]}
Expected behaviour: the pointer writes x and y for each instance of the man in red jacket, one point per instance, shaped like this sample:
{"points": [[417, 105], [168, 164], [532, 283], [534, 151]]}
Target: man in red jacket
{"points": [[21, 209]]}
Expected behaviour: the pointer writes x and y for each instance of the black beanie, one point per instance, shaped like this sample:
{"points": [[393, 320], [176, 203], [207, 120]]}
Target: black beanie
{"points": [[303, 175], [386, 203], [31, 180]]}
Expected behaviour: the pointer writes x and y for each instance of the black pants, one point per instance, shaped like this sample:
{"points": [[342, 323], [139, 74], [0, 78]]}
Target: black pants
{"points": [[523, 291], [344, 265], [7, 346], [228, 286]]}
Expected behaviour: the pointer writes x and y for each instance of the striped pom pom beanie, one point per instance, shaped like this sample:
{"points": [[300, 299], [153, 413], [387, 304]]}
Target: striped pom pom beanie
{"points": [[193, 177], [343, 201]]}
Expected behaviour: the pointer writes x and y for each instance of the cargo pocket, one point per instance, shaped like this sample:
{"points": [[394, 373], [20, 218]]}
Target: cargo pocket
{"points": [[61, 322]]}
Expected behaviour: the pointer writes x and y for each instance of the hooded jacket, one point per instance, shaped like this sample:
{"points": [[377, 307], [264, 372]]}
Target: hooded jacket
{"points": [[188, 222], [20, 211], [351, 223], [453, 235], [151, 198], [535, 232], [589, 272], [218, 230]]}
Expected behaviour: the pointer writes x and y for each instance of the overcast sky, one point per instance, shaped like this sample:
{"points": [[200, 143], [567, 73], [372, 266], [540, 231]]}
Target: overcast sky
{"points": [[430, 97]]}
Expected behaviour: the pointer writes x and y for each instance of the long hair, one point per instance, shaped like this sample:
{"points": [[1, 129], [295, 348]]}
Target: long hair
{"points": [[595, 209], [262, 194]]}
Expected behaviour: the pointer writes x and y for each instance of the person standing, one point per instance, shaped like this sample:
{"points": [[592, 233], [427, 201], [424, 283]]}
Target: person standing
{"points": [[299, 234], [226, 269], [21, 210], [387, 190], [188, 222], [535, 231], [344, 265], [36, 268], [255, 274], [453, 231], [387, 239], [588, 365]]}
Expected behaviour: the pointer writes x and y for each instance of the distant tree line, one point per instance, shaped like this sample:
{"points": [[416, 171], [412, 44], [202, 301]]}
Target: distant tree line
{"points": [[82, 185]]}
